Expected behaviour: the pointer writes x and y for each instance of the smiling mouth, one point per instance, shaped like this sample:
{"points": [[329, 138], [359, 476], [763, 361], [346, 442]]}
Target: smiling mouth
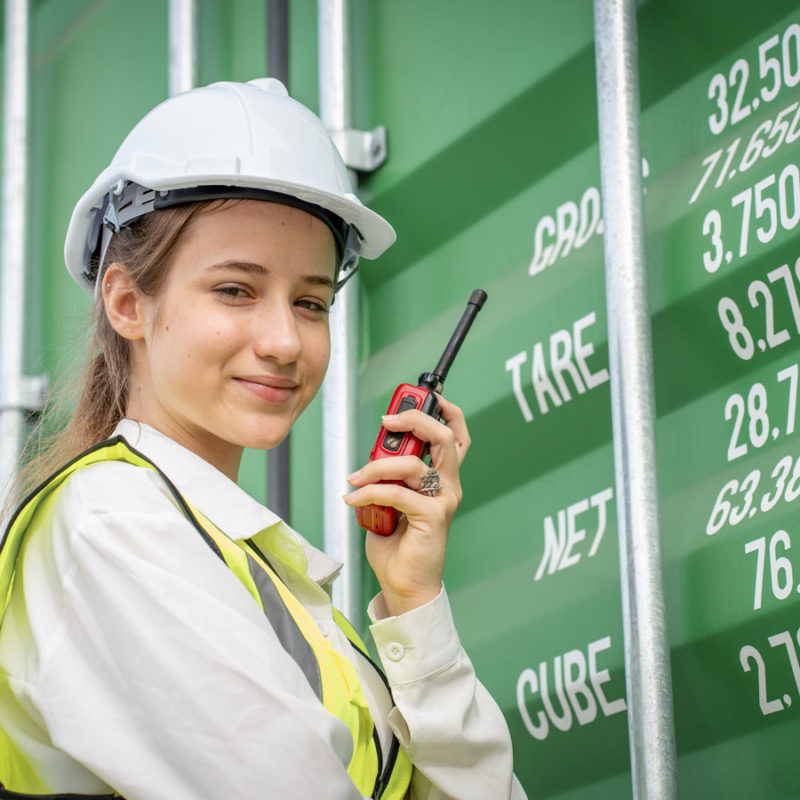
{"points": [[269, 390]]}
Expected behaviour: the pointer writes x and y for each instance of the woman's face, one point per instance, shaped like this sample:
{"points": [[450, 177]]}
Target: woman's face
{"points": [[236, 344]]}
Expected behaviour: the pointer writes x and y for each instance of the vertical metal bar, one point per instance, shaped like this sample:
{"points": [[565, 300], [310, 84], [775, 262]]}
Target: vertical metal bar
{"points": [[182, 45], [647, 657], [279, 464], [279, 458], [343, 540], [278, 40], [14, 235], [334, 64]]}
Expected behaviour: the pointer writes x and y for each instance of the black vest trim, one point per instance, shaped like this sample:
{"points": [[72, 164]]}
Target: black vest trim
{"points": [[284, 625], [5, 794]]}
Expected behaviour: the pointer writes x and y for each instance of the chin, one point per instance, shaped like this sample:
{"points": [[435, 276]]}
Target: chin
{"points": [[263, 440], [257, 431], [273, 443]]}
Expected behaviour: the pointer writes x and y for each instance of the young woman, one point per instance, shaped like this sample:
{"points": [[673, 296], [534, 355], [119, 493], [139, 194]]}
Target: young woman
{"points": [[163, 635]]}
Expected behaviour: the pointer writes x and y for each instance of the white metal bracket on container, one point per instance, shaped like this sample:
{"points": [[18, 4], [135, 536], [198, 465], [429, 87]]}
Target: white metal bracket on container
{"points": [[31, 396], [363, 151]]}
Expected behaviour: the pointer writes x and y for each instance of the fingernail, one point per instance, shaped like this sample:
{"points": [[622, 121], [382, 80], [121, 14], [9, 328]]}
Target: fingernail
{"points": [[389, 417], [347, 497], [353, 476]]}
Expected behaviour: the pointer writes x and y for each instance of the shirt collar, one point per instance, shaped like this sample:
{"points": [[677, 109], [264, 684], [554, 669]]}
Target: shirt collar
{"points": [[224, 502]]}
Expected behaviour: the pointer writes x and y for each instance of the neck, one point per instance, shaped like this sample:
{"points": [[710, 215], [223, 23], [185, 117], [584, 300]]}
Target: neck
{"points": [[223, 455]]}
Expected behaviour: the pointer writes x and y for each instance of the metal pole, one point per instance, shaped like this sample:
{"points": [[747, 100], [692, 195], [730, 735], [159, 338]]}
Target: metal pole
{"points": [[647, 657], [14, 237], [279, 458], [278, 40], [182, 46], [343, 540]]}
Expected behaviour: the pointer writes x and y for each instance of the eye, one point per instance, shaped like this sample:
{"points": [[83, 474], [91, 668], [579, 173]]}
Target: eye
{"points": [[312, 304], [233, 291]]}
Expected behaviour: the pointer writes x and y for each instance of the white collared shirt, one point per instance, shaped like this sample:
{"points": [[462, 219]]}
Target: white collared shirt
{"points": [[132, 657]]}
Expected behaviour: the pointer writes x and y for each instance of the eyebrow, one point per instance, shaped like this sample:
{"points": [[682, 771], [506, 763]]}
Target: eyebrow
{"points": [[252, 268]]}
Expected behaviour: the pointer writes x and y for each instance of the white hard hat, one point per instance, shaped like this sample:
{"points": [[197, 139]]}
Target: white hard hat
{"points": [[224, 140]]}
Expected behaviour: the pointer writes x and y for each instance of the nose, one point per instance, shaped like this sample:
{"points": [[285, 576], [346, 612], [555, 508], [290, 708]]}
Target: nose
{"points": [[276, 336]]}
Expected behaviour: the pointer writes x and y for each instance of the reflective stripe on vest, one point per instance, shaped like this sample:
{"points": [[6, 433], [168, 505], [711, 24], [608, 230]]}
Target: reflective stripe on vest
{"points": [[331, 675]]}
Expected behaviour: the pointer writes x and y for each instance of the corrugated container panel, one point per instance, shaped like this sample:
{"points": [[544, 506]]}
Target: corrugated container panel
{"points": [[493, 181]]}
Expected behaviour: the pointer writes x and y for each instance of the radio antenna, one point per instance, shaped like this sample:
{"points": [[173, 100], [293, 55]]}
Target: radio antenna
{"points": [[434, 381]]}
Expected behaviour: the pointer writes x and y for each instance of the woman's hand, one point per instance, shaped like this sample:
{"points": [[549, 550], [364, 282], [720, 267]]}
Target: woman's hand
{"points": [[409, 562]]}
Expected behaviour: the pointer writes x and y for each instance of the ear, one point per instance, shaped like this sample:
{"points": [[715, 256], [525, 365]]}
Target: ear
{"points": [[124, 303]]}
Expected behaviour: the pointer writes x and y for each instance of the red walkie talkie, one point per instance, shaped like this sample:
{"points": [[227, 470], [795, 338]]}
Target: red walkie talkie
{"points": [[383, 519]]}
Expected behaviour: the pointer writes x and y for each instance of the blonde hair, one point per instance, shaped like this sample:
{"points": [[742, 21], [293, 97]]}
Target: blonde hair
{"points": [[145, 248]]}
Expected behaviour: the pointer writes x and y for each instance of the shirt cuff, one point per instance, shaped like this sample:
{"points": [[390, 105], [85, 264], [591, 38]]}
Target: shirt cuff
{"points": [[416, 644]]}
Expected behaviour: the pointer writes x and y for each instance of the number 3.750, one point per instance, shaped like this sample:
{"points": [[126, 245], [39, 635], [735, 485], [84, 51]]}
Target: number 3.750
{"points": [[785, 208]]}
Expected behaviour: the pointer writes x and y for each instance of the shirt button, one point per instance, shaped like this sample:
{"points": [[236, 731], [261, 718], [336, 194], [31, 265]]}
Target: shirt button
{"points": [[323, 627], [395, 651]]}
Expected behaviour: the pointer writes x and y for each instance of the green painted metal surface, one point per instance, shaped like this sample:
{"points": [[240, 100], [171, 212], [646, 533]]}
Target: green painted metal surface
{"points": [[495, 149], [492, 181]]}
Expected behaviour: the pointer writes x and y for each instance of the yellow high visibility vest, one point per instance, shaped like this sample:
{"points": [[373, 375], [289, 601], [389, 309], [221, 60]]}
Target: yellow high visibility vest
{"points": [[332, 676]]}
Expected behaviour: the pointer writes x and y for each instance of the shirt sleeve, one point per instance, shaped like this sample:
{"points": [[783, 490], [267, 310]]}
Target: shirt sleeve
{"points": [[450, 726], [156, 670]]}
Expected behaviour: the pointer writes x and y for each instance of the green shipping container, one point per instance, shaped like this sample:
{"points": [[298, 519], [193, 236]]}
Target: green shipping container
{"points": [[493, 180]]}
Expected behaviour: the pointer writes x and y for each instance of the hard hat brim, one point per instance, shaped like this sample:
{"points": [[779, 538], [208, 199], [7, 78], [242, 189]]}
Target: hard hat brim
{"points": [[376, 235]]}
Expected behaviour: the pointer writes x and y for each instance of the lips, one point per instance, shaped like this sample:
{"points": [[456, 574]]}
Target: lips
{"points": [[270, 389]]}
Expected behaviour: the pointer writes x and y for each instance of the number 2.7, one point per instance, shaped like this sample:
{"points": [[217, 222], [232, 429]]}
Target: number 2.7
{"points": [[749, 653]]}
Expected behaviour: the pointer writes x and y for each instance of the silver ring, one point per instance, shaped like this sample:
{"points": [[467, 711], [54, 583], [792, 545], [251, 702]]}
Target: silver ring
{"points": [[430, 485]]}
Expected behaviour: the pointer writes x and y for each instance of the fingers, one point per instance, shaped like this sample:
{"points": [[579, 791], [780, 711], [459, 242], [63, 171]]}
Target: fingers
{"points": [[428, 512], [450, 438], [453, 418], [396, 481], [409, 564], [408, 469], [405, 483]]}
